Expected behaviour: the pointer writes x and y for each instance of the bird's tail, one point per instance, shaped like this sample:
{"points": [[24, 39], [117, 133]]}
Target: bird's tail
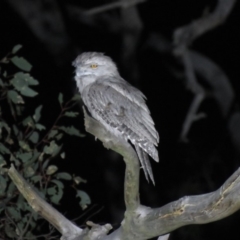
{"points": [[144, 160]]}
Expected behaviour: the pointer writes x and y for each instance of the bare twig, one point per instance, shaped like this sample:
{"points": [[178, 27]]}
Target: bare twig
{"points": [[183, 37], [132, 27], [111, 6], [219, 82], [199, 93]]}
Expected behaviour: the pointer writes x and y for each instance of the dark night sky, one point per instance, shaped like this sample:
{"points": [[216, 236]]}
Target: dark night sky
{"points": [[198, 166]]}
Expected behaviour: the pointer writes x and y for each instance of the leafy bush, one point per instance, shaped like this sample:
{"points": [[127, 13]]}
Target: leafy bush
{"points": [[26, 143]]}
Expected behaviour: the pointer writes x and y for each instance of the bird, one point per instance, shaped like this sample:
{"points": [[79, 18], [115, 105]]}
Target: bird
{"points": [[118, 105]]}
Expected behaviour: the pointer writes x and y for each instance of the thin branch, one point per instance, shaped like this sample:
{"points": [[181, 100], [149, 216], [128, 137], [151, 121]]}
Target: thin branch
{"points": [[183, 37], [198, 91], [220, 84], [63, 225], [114, 5]]}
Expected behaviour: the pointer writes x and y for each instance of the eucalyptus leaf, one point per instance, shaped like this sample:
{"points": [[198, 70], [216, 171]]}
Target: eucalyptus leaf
{"points": [[51, 169], [21, 81], [14, 213], [78, 180], [52, 133], [56, 198], [4, 149], [24, 146], [63, 175], [71, 131], [3, 184], [20, 228], [1, 83], [19, 109], [21, 63], [53, 149], [25, 156], [36, 154], [16, 48], [28, 121], [71, 114], [11, 189], [15, 160], [5, 126], [25, 77], [85, 199], [2, 161], [34, 137], [28, 92], [15, 97], [58, 183], [28, 171], [60, 98], [30, 80], [45, 164], [10, 231], [15, 130], [52, 191], [59, 136], [36, 179], [35, 166], [40, 127], [76, 97], [20, 202], [37, 114]]}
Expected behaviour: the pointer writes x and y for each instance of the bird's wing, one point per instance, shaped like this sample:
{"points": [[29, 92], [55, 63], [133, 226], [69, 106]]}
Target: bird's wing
{"points": [[122, 107]]}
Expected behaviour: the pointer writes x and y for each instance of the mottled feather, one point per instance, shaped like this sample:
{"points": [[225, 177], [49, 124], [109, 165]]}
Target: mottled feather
{"points": [[118, 105]]}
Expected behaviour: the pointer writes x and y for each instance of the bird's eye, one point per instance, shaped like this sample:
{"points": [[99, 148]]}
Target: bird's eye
{"points": [[93, 66]]}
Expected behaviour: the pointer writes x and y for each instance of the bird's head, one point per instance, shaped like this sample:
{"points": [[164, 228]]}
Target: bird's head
{"points": [[94, 64]]}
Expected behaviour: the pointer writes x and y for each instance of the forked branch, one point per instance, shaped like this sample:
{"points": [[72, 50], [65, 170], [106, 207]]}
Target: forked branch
{"points": [[140, 222]]}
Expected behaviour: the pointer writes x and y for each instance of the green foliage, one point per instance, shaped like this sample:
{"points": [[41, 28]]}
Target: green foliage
{"points": [[30, 146]]}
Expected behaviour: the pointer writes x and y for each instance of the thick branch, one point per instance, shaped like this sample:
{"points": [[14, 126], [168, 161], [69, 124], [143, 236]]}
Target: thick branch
{"points": [[185, 35], [131, 187], [188, 210]]}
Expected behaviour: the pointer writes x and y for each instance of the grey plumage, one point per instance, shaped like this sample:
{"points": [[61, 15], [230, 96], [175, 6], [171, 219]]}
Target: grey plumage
{"points": [[119, 106]]}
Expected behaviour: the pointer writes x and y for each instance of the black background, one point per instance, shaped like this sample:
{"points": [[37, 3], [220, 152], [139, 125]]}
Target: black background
{"points": [[198, 166]]}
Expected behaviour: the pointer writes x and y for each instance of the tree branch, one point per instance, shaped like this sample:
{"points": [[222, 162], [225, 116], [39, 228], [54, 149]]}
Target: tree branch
{"points": [[188, 210], [131, 186], [183, 37], [39, 205], [140, 222], [110, 6]]}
